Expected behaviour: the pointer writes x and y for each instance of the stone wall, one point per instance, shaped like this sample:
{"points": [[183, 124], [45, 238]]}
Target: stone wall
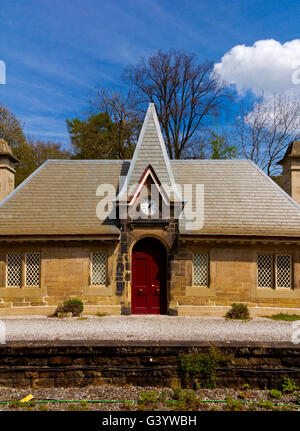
{"points": [[232, 278], [151, 365], [291, 172], [65, 274], [7, 177]]}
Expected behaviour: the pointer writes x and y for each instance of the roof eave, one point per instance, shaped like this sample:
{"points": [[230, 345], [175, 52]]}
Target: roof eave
{"points": [[60, 237], [239, 237]]}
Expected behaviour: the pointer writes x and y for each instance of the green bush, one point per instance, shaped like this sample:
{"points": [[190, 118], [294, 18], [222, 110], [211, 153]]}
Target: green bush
{"points": [[201, 368], [74, 306], [238, 311], [275, 394], [289, 386]]}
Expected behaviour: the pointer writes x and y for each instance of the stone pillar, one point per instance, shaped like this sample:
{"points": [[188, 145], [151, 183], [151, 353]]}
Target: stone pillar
{"points": [[7, 170], [123, 269], [291, 171]]}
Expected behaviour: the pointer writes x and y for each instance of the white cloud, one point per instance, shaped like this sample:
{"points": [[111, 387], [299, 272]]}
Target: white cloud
{"points": [[268, 65]]}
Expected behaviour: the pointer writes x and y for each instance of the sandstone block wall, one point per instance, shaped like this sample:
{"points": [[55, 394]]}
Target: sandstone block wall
{"points": [[232, 278], [65, 274]]}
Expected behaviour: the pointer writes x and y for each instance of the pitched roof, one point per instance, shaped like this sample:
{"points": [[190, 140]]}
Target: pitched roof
{"points": [[150, 150], [239, 199], [60, 198]]}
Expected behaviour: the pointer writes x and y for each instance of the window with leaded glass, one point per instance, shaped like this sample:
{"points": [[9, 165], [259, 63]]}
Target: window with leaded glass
{"points": [[98, 268], [265, 270], [32, 269], [200, 269], [283, 270], [13, 270]]}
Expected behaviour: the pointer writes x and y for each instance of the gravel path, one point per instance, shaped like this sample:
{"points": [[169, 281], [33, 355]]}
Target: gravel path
{"points": [[149, 328]]}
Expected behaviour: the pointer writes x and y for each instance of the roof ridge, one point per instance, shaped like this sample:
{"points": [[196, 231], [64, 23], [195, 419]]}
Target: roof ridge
{"points": [[129, 160], [89, 160], [210, 160]]}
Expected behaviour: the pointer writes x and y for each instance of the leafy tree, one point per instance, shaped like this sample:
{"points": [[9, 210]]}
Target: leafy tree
{"points": [[44, 150], [110, 130], [220, 148], [11, 130], [89, 136], [36, 152], [31, 153], [41, 151]]}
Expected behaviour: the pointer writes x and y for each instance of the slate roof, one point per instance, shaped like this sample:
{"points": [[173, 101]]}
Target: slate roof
{"points": [[150, 150], [60, 198], [239, 199]]}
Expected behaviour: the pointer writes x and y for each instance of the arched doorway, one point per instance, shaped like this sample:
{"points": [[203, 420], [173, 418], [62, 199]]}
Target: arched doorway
{"points": [[148, 277]]}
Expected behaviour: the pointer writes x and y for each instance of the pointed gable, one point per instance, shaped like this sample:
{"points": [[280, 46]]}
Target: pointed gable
{"points": [[150, 151], [149, 177]]}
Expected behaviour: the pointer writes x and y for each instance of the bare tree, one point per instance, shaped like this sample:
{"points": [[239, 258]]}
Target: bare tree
{"points": [[185, 94], [265, 130], [197, 147]]}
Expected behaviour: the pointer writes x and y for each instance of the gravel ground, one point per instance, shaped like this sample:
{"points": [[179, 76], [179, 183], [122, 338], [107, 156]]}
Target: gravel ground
{"points": [[133, 393], [147, 328]]}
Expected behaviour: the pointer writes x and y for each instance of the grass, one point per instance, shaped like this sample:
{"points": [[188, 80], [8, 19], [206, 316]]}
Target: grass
{"points": [[181, 399], [284, 316], [101, 314]]}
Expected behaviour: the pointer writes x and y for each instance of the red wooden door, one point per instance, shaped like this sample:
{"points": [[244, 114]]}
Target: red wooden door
{"points": [[148, 278]]}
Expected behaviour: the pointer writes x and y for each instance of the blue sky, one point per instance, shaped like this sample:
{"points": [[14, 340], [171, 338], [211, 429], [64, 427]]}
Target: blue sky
{"points": [[57, 51]]}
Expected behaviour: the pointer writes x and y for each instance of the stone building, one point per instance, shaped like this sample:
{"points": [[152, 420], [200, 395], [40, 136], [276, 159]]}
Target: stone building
{"points": [[150, 235]]}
